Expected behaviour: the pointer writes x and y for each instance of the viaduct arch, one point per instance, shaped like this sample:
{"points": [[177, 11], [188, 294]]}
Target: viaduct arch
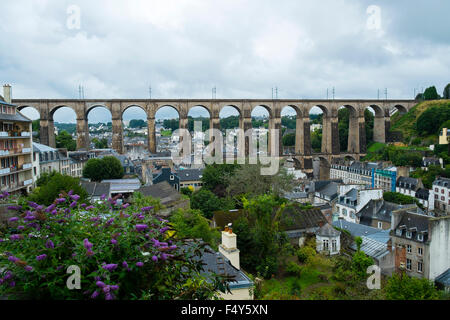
{"points": [[303, 151]]}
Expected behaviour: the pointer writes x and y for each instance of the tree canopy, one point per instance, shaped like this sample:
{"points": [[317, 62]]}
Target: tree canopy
{"points": [[65, 140], [104, 168], [430, 93]]}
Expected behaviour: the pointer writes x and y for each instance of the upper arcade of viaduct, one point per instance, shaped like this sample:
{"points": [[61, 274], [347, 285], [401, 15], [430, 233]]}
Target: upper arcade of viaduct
{"points": [[330, 139]]}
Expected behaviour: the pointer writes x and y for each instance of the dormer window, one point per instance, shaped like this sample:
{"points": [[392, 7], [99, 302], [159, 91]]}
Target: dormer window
{"points": [[420, 237], [398, 232], [172, 177], [409, 234]]}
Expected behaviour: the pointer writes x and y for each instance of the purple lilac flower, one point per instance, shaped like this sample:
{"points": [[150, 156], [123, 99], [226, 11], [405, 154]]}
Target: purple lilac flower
{"points": [[114, 241], [15, 208], [126, 205], [114, 287], [139, 264], [103, 196], [54, 212], [125, 264], [70, 192], [109, 296], [12, 284], [13, 259], [59, 268], [41, 257], [8, 275], [32, 204], [164, 256], [87, 244], [90, 252], [73, 204], [155, 258], [100, 284], [60, 200], [83, 205], [15, 237], [110, 221], [13, 219], [89, 207], [39, 208], [146, 209], [49, 244], [28, 268], [95, 294], [50, 207], [75, 197], [141, 227], [173, 247], [110, 267], [163, 230], [5, 193]]}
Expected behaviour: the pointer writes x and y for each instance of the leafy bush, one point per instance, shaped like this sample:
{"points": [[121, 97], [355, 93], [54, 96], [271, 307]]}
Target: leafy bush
{"points": [[122, 252], [104, 168], [305, 253], [403, 287], [360, 263], [293, 269], [53, 184]]}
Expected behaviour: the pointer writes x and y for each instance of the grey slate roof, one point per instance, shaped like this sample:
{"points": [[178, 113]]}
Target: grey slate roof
{"points": [[96, 189], [422, 194], [211, 265], [328, 231], [372, 248], [416, 223], [189, 174], [294, 218], [407, 183], [377, 210], [355, 229], [442, 182], [444, 278], [13, 117], [162, 190]]}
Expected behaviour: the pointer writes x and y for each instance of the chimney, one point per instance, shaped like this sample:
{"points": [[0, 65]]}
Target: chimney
{"points": [[7, 93], [229, 246]]}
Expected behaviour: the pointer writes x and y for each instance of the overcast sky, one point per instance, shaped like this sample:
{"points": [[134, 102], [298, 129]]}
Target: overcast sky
{"points": [[182, 49]]}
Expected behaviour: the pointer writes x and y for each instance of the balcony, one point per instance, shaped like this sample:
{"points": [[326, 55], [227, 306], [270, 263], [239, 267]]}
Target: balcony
{"points": [[27, 166], [14, 151], [15, 134], [28, 182]]}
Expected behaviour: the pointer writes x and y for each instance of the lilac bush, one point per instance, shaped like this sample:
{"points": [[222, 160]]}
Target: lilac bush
{"points": [[123, 252]]}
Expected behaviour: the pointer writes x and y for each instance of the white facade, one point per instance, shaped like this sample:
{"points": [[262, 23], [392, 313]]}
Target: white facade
{"points": [[439, 246]]}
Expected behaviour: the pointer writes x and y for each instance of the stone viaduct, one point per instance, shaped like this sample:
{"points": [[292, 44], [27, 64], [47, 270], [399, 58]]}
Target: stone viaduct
{"points": [[303, 150]]}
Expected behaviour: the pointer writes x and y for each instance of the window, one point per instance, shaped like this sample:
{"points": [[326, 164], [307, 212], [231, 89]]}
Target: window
{"points": [[420, 237], [408, 248], [408, 264], [333, 245], [408, 234], [380, 225], [344, 212], [398, 232], [420, 251], [172, 177], [419, 266], [325, 245]]}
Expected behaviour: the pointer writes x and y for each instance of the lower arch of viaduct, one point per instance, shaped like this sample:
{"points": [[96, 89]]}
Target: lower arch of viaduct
{"points": [[303, 151]]}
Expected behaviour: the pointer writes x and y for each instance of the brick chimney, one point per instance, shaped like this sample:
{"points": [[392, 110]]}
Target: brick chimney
{"points": [[7, 93], [229, 246]]}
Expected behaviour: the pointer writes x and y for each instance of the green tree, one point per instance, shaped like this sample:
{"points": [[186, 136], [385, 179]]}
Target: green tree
{"points": [[431, 120], [105, 168], [316, 140], [230, 122], [65, 140], [215, 175], [137, 123], [261, 242], [172, 124], [207, 202], [446, 94], [430, 93], [289, 140], [369, 120], [289, 122], [100, 144], [56, 184], [248, 180], [44, 178], [191, 224], [403, 287], [343, 125]]}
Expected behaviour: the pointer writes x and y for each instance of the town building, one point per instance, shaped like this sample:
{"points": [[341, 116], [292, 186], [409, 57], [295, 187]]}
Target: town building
{"points": [[96, 190], [328, 240], [440, 195], [169, 197], [350, 203], [377, 214], [444, 136], [16, 167], [190, 178], [431, 161], [421, 242], [371, 174], [408, 186], [51, 159]]}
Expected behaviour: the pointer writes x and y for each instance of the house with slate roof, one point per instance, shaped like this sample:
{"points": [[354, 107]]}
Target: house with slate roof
{"points": [[169, 197], [421, 242], [408, 186], [349, 204], [377, 214], [328, 240]]}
